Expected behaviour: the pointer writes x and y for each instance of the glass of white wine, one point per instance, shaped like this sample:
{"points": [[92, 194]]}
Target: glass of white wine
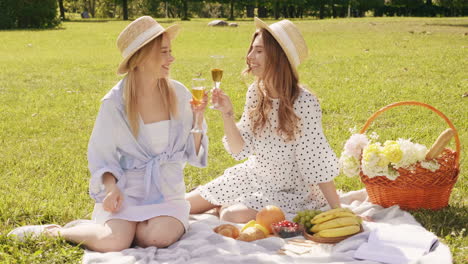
{"points": [[198, 91], [216, 73]]}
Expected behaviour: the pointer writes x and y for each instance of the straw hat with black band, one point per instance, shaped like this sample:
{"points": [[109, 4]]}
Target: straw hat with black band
{"points": [[290, 39], [137, 34]]}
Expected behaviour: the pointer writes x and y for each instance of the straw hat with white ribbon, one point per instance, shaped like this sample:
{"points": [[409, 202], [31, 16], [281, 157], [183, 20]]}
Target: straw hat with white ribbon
{"points": [[137, 34], [290, 39]]}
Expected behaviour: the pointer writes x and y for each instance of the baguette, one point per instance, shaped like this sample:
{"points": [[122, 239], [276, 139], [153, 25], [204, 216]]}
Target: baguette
{"points": [[439, 144]]}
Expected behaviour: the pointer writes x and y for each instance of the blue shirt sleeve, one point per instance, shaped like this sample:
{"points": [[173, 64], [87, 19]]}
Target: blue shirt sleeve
{"points": [[103, 155]]}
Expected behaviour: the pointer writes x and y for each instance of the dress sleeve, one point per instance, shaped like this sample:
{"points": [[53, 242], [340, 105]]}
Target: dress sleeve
{"points": [[103, 155], [245, 128], [316, 160]]}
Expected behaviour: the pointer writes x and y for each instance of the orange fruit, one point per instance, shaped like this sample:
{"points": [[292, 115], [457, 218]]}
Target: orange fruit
{"points": [[269, 215]]}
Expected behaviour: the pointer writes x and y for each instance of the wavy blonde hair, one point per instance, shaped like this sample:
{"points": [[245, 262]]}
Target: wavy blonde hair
{"points": [[163, 84], [279, 77]]}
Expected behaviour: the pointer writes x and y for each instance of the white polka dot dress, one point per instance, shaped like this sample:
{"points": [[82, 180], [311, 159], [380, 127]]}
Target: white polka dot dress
{"points": [[277, 172]]}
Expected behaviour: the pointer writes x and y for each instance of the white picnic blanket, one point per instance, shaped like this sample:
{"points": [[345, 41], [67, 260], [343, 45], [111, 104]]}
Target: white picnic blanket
{"points": [[201, 245]]}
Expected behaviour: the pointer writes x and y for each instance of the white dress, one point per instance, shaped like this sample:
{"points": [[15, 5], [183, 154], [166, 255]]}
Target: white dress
{"points": [[158, 135], [277, 172]]}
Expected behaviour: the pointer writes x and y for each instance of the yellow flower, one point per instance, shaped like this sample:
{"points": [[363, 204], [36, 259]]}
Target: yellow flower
{"points": [[392, 151], [383, 162], [370, 151], [374, 152]]}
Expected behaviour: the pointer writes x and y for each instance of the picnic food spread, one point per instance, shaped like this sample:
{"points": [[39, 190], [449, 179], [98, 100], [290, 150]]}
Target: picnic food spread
{"points": [[336, 224]]}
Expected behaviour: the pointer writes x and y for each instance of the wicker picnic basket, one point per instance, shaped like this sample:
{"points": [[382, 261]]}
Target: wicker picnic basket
{"points": [[419, 188]]}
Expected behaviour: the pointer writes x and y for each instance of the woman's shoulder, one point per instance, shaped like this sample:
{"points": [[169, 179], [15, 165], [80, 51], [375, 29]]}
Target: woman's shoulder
{"points": [[180, 89], [306, 97], [306, 100], [114, 97], [251, 92]]}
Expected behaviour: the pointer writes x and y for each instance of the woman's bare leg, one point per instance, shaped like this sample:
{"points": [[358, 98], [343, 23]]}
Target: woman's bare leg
{"points": [[114, 235], [237, 213], [160, 232], [198, 204]]}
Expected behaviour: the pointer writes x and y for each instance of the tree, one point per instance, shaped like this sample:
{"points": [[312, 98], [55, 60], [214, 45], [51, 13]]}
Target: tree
{"points": [[185, 10], [125, 9], [62, 9], [91, 6], [231, 10], [28, 14]]}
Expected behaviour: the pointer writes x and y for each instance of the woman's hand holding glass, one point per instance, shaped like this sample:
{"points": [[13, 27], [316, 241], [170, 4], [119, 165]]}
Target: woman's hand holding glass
{"points": [[224, 104], [198, 109]]}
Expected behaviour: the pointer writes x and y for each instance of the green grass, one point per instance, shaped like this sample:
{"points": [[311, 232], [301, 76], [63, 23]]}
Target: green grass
{"points": [[51, 82]]}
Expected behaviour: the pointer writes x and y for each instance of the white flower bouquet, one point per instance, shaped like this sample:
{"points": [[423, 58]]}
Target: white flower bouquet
{"points": [[401, 172], [373, 158]]}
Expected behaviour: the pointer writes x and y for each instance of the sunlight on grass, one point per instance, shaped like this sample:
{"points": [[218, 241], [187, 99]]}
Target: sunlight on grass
{"points": [[51, 83]]}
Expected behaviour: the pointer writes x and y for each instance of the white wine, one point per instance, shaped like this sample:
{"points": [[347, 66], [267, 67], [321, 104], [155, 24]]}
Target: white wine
{"points": [[197, 93], [217, 75]]}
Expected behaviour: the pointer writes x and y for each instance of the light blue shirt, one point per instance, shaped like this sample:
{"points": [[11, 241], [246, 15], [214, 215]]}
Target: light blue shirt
{"points": [[113, 148]]}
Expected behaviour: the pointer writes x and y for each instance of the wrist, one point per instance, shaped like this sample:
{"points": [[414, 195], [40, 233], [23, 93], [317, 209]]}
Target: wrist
{"points": [[110, 186], [228, 115]]}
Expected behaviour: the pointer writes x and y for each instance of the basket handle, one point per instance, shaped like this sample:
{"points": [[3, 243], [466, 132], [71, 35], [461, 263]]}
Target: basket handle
{"points": [[383, 109]]}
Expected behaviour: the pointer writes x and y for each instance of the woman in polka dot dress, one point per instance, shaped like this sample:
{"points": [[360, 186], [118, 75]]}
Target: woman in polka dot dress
{"points": [[290, 163]]}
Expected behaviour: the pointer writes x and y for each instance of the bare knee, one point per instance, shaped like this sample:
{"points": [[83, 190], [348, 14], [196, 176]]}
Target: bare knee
{"points": [[197, 203], [160, 232], [158, 240], [234, 215], [112, 243]]}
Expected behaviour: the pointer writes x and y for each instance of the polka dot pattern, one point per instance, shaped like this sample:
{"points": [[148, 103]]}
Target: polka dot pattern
{"points": [[277, 172]]}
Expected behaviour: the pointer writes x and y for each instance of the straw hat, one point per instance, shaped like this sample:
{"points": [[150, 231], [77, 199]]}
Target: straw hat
{"points": [[137, 34], [290, 39]]}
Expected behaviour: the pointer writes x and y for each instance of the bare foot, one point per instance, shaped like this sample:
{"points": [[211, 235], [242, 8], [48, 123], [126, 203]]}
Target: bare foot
{"points": [[214, 211], [52, 231]]}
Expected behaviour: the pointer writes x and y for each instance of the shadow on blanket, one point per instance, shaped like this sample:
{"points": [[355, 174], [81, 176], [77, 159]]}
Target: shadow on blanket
{"points": [[201, 245]]}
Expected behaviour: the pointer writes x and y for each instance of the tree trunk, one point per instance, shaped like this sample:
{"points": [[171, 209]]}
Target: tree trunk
{"points": [[321, 11], [333, 9], [349, 8], [250, 10], [262, 12], [429, 2], [62, 9], [125, 9], [277, 9], [231, 12], [92, 7], [185, 10]]}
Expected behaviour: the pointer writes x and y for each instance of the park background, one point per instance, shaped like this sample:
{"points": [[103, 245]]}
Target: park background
{"points": [[361, 59]]}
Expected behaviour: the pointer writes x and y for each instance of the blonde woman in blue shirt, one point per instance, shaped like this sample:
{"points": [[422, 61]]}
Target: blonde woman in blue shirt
{"points": [[138, 149]]}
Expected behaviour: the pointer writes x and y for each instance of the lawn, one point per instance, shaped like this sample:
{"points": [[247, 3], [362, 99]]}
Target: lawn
{"points": [[51, 83]]}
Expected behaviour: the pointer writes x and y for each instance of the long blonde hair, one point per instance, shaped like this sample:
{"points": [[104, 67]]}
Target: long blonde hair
{"points": [[169, 99], [278, 76]]}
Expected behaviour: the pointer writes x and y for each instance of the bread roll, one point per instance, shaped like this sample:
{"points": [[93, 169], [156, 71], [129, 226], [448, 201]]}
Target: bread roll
{"points": [[251, 234], [227, 230]]}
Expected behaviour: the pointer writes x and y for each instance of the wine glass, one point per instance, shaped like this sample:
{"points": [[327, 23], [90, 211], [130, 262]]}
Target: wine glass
{"points": [[198, 91], [216, 73]]}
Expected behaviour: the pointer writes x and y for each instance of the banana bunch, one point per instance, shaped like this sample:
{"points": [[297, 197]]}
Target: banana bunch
{"points": [[335, 223]]}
